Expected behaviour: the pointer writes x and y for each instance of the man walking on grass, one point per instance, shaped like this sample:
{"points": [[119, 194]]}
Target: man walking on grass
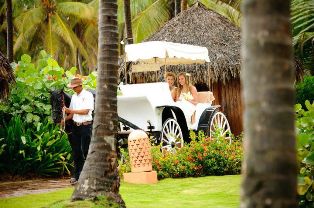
{"points": [[80, 110]]}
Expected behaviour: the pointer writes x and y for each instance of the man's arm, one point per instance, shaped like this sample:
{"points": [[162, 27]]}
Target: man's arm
{"points": [[72, 111]]}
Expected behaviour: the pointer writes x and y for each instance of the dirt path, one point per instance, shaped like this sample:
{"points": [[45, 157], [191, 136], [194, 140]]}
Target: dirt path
{"points": [[20, 188]]}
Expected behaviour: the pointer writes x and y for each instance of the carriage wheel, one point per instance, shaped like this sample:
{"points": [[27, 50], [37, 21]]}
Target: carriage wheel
{"points": [[171, 135], [219, 126]]}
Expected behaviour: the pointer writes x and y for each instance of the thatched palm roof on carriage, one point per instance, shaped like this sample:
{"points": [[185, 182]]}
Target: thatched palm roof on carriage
{"points": [[201, 26], [6, 76]]}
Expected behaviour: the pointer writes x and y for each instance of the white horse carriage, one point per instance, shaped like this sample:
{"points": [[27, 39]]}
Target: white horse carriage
{"points": [[150, 106]]}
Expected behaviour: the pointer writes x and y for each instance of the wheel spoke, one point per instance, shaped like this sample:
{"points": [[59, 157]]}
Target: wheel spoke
{"points": [[225, 123], [167, 128], [221, 121], [218, 120]]}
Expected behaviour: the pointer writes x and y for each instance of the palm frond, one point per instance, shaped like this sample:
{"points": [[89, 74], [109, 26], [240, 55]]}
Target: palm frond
{"points": [[77, 9], [140, 6], [29, 19], [150, 20], [49, 39], [70, 38], [302, 18], [224, 9], [60, 28], [235, 4], [25, 38]]}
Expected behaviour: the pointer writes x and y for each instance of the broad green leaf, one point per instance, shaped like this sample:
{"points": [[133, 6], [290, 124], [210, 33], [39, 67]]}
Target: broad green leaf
{"points": [[73, 70], [297, 107], [27, 108], [36, 118], [29, 117], [51, 62], [309, 159], [43, 54], [304, 183], [51, 142], [309, 106], [26, 58], [23, 139]]}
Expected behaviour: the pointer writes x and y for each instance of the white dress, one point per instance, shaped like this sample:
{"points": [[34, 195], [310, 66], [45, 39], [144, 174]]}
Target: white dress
{"points": [[187, 107]]}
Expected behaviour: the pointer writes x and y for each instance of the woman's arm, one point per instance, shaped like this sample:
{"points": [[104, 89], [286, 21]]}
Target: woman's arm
{"points": [[194, 95], [174, 94]]}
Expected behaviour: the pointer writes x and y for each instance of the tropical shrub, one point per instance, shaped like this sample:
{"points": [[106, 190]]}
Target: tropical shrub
{"points": [[30, 96], [305, 147], [305, 90], [27, 150], [29, 142]]}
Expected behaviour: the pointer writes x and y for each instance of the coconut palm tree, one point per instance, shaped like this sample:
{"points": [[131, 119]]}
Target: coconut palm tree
{"points": [[6, 77], [269, 167], [128, 21], [177, 4], [100, 174], [48, 25], [184, 5], [303, 31], [9, 31]]}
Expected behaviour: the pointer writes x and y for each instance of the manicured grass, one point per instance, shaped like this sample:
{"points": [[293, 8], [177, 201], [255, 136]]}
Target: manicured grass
{"points": [[35, 200], [212, 191]]}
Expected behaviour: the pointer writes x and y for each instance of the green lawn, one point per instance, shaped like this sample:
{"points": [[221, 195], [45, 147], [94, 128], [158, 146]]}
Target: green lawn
{"points": [[212, 191]]}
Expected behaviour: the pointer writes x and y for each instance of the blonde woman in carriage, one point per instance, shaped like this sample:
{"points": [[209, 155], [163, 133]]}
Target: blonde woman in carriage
{"points": [[186, 97]]}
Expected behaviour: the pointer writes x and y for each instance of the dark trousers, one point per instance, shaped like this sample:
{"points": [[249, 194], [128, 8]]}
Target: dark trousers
{"points": [[80, 140]]}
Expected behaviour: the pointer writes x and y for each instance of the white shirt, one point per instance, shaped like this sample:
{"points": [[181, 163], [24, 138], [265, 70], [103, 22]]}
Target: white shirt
{"points": [[84, 100]]}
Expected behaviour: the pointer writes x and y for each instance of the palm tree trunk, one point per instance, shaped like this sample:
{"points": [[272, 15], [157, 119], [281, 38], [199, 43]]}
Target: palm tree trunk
{"points": [[184, 5], [269, 169], [77, 30], [128, 22], [177, 5], [79, 62], [100, 173], [9, 31], [172, 8]]}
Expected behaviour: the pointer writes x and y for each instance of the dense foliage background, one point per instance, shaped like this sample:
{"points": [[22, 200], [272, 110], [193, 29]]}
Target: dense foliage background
{"points": [[30, 144]]}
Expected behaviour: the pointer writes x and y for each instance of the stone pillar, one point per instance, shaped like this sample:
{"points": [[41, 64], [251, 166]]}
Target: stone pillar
{"points": [[140, 159]]}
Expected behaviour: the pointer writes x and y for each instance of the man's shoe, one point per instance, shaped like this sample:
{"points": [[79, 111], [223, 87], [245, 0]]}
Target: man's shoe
{"points": [[73, 181]]}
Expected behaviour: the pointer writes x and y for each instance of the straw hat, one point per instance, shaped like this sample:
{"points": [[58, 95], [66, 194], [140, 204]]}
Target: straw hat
{"points": [[75, 82]]}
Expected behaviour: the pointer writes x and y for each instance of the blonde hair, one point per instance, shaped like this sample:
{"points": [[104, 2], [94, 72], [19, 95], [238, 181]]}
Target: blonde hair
{"points": [[170, 74], [187, 82]]}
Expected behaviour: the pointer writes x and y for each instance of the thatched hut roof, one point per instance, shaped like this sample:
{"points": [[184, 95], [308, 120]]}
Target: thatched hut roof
{"points": [[6, 76], [201, 26]]}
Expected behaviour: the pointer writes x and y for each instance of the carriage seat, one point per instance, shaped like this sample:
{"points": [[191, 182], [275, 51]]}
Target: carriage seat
{"points": [[205, 100]]}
